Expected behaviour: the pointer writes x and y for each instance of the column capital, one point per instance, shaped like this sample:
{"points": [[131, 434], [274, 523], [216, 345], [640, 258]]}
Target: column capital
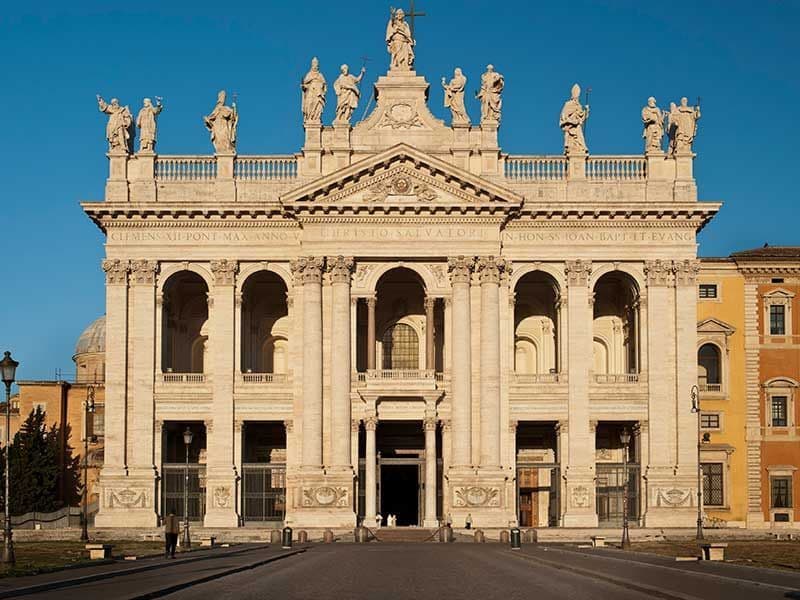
{"points": [[512, 299], [355, 425], [460, 269], [686, 271], [307, 269], [289, 299], [224, 271], [430, 302], [491, 268], [593, 426], [238, 426], [429, 424], [562, 427], [512, 426], [447, 425], [578, 271], [340, 268], [371, 301], [143, 272], [116, 271], [371, 423], [288, 425], [658, 273], [209, 425]]}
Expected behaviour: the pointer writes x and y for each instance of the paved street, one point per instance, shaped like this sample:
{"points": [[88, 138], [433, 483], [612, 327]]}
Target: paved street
{"points": [[414, 571]]}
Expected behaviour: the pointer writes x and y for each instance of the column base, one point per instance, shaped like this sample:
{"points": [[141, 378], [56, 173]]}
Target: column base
{"points": [[579, 504], [480, 494], [755, 520], [220, 502], [127, 500], [323, 499]]}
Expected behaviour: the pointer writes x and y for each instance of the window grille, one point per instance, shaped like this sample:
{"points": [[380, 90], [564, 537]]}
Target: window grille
{"points": [[777, 319], [400, 347], [778, 413], [781, 492], [713, 494]]}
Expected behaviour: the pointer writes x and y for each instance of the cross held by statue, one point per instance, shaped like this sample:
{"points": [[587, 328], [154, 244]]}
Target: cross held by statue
{"points": [[411, 15]]}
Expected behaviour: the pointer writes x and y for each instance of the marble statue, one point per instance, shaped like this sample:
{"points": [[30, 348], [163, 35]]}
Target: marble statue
{"points": [[653, 119], [314, 89], [119, 129], [573, 118], [492, 84], [222, 124], [347, 93], [682, 126], [399, 42], [454, 97], [146, 122]]}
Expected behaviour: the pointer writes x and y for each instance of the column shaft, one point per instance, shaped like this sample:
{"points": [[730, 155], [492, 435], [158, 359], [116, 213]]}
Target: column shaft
{"points": [[309, 270], [340, 269], [430, 363], [489, 269], [371, 333], [370, 468], [430, 472], [460, 274]]}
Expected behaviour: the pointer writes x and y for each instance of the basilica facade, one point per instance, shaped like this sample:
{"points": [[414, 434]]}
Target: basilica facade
{"points": [[400, 319]]}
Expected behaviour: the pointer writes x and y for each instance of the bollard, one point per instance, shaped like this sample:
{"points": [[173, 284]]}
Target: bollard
{"points": [[361, 535], [531, 537], [286, 540], [516, 541], [327, 536], [479, 537], [504, 536], [446, 534], [302, 536], [275, 536]]}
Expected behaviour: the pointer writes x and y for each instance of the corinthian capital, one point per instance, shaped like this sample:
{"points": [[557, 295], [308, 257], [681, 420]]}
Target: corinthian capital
{"points": [[143, 272], [116, 271], [578, 271], [307, 269], [686, 271], [658, 273], [491, 268], [224, 271], [460, 268], [340, 268]]}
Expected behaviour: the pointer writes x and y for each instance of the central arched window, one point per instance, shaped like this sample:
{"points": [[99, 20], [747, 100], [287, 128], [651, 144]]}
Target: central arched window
{"points": [[400, 347], [708, 365]]}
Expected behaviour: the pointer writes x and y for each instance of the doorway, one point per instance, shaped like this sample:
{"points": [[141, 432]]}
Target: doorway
{"points": [[400, 491]]}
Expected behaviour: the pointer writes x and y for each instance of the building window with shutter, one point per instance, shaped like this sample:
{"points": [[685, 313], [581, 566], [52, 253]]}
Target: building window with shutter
{"points": [[778, 411], [707, 291], [777, 319], [712, 484], [781, 492]]}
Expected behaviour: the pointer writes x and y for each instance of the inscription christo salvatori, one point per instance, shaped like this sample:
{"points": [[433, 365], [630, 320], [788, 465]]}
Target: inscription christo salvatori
{"points": [[442, 234], [647, 236]]}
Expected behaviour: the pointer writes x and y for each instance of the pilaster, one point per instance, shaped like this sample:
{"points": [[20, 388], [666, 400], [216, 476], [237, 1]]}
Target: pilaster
{"points": [[752, 354]]}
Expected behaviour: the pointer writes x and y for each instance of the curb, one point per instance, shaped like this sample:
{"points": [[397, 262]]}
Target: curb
{"points": [[63, 583]]}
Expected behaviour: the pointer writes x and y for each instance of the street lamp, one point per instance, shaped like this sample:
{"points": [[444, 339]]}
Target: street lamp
{"points": [[625, 438], [185, 540], [8, 369], [89, 408], [695, 395]]}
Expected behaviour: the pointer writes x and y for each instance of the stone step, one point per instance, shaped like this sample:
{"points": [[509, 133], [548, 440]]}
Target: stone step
{"points": [[403, 534]]}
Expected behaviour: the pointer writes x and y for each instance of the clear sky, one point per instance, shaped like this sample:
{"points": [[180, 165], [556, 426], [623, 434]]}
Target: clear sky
{"points": [[740, 57]]}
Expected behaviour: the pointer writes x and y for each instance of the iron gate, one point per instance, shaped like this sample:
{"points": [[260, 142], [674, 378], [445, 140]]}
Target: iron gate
{"points": [[263, 492], [610, 492], [174, 484]]}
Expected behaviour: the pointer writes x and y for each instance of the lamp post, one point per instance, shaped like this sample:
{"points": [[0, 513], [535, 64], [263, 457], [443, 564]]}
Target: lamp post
{"points": [[89, 408], [625, 438], [8, 369], [695, 395], [185, 540]]}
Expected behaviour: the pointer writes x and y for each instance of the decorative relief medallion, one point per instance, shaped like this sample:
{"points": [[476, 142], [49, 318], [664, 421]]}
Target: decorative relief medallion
{"points": [[143, 272], [580, 497], [326, 496], [224, 271], [116, 271], [673, 497], [222, 497], [127, 498], [400, 116], [400, 185], [362, 272], [474, 495]]}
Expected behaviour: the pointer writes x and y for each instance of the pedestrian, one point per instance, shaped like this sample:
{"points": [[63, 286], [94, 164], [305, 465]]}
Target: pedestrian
{"points": [[171, 529], [468, 523]]}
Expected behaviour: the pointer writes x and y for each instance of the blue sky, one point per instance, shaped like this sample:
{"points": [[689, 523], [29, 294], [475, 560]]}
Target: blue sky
{"points": [[740, 57]]}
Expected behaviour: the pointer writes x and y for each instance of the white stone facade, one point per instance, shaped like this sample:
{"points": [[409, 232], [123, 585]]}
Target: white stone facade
{"points": [[607, 241]]}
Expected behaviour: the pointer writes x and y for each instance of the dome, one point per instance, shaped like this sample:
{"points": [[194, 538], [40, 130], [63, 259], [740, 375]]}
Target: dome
{"points": [[93, 338]]}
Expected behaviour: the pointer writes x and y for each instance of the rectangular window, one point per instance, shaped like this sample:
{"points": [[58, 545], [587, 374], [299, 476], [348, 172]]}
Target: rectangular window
{"points": [[712, 484], [777, 319], [781, 492], [709, 420], [778, 410], [97, 425], [708, 290]]}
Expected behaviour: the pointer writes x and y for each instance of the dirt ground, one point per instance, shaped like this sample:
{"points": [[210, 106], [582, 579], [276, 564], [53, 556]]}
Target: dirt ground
{"points": [[771, 554]]}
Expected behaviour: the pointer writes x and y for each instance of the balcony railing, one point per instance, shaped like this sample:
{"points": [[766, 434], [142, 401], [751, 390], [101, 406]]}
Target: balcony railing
{"points": [[555, 168], [245, 168], [183, 377], [532, 378], [400, 374], [709, 387], [186, 168], [616, 168], [536, 168], [265, 168], [264, 377], [616, 377]]}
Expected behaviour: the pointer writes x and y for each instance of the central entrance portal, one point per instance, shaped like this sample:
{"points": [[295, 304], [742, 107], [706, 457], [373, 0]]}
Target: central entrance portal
{"points": [[400, 492], [401, 471]]}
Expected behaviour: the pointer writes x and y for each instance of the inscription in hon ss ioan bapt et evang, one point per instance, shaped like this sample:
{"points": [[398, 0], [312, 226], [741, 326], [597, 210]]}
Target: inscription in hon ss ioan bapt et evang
{"points": [[600, 236]]}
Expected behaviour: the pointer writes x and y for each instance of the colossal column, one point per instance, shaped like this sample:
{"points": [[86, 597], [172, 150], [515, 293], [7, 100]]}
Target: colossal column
{"points": [[340, 269], [309, 271], [460, 269], [579, 500], [221, 475], [371, 301], [429, 425], [370, 466], [489, 269], [430, 363]]}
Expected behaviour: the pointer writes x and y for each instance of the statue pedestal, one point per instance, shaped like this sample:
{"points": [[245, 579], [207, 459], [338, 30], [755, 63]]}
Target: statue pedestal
{"points": [[341, 144], [323, 499], [117, 183], [143, 178], [312, 149], [490, 151], [224, 184], [461, 146]]}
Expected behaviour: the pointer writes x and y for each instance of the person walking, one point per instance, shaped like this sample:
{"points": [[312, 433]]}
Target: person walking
{"points": [[172, 528]]}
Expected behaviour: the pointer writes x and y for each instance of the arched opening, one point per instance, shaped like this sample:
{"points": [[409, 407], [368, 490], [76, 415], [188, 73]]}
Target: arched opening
{"points": [[536, 332], [265, 324], [616, 325], [184, 324], [709, 368], [600, 356], [400, 347]]}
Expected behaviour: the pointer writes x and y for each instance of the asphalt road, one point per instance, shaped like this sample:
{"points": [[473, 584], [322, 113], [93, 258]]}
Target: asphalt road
{"points": [[416, 571]]}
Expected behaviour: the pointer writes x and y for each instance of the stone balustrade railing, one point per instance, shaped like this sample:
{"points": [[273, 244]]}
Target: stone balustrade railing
{"points": [[245, 168], [556, 168], [404, 374], [710, 387], [616, 168], [536, 168], [183, 377], [533, 378], [616, 378], [265, 168], [185, 168], [264, 377]]}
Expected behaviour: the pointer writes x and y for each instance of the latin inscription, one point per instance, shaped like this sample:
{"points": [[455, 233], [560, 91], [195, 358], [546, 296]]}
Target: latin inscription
{"points": [[600, 237]]}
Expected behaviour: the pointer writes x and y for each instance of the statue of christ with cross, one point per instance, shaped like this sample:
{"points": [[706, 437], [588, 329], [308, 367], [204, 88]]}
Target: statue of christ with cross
{"points": [[400, 39]]}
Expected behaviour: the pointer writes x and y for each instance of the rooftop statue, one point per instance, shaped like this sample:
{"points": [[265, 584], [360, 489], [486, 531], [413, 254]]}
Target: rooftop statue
{"points": [[573, 118], [347, 94], [146, 122], [492, 84], [314, 89], [222, 124], [454, 97], [119, 129], [399, 42], [653, 119], [682, 126]]}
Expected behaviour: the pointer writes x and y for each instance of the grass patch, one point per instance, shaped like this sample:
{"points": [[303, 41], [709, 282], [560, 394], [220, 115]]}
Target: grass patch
{"points": [[771, 554]]}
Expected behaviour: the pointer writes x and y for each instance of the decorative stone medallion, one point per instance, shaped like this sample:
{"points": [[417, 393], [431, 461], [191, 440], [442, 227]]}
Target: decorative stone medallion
{"points": [[326, 497], [400, 116], [580, 497], [476, 496], [222, 497], [127, 498], [673, 497]]}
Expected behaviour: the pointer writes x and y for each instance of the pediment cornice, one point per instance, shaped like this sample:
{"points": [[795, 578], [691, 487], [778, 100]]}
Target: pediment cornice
{"points": [[712, 325]]}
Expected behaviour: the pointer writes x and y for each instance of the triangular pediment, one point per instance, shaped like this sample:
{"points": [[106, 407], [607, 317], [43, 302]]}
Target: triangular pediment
{"points": [[712, 325], [401, 177]]}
